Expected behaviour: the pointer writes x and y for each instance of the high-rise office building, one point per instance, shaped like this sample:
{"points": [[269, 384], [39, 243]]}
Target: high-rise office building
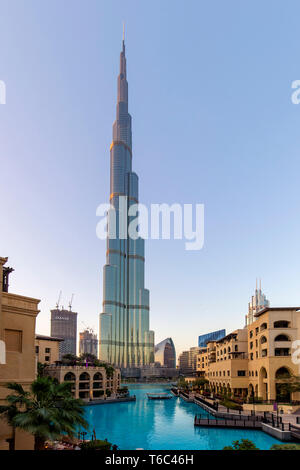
{"points": [[213, 336], [258, 302], [64, 326], [125, 338], [165, 353], [88, 343]]}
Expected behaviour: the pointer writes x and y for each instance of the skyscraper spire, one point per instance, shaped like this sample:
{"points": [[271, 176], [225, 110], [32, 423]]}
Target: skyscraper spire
{"points": [[125, 338]]}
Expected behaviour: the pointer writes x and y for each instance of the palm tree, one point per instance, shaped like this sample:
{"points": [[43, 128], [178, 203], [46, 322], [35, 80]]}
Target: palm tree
{"points": [[46, 411], [70, 359]]}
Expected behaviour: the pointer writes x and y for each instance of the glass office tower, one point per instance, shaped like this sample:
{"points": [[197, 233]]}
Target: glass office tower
{"points": [[213, 336], [125, 339]]}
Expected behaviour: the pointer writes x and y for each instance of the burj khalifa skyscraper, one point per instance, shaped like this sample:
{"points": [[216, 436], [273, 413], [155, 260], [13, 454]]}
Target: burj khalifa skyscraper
{"points": [[125, 339]]}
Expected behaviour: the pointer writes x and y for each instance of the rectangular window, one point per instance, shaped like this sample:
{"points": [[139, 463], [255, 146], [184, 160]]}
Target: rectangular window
{"points": [[47, 358], [47, 350], [13, 340], [37, 349], [241, 373]]}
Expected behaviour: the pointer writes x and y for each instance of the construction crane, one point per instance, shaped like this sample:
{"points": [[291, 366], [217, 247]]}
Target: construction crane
{"points": [[71, 302], [59, 299], [88, 328]]}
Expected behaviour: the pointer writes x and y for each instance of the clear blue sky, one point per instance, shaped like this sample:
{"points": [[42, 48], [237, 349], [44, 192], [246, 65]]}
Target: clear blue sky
{"points": [[213, 123]]}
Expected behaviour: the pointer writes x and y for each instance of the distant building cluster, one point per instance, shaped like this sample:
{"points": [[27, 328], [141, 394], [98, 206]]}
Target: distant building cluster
{"points": [[22, 351], [254, 361]]}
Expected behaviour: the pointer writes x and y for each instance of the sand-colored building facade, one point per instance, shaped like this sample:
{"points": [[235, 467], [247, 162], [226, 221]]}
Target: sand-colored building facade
{"points": [[256, 360], [88, 383], [18, 363], [47, 349]]}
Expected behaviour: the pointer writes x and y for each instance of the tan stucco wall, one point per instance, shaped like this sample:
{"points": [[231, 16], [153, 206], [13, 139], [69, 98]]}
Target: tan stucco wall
{"points": [[111, 384], [43, 344], [17, 313]]}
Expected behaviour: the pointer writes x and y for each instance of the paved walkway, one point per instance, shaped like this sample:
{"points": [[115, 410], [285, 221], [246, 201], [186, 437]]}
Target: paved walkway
{"points": [[286, 418]]}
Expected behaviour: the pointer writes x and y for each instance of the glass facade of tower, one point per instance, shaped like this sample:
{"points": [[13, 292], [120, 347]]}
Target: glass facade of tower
{"points": [[165, 353], [213, 336], [125, 339]]}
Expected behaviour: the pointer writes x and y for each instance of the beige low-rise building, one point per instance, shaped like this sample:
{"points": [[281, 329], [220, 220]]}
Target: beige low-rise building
{"points": [[270, 339], [18, 363], [225, 364], [47, 349], [255, 361], [88, 383]]}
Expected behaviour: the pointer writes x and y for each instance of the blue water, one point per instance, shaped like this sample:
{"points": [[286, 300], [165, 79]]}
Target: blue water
{"points": [[162, 424]]}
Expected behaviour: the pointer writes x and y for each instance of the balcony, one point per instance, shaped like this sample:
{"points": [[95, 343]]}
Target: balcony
{"points": [[279, 352], [84, 385], [238, 355], [97, 385]]}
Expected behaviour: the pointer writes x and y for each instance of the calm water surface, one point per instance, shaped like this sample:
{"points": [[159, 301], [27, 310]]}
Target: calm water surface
{"points": [[162, 424]]}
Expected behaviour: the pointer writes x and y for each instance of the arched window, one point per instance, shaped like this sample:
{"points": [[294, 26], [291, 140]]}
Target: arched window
{"points": [[282, 338], [84, 376], [281, 324], [263, 326], [70, 377], [263, 373], [282, 373], [263, 340], [98, 376]]}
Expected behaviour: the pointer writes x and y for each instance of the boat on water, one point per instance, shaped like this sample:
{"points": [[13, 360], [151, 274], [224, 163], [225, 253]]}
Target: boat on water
{"points": [[158, 396]]}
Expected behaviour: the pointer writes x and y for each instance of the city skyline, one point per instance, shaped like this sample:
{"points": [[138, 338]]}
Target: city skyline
{"points": [[219, 129]]}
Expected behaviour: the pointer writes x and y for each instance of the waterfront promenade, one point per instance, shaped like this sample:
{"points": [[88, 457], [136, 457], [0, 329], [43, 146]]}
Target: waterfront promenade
{"points": [[285, 427]]}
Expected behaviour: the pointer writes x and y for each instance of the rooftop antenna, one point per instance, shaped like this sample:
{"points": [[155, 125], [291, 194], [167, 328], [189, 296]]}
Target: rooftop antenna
{"points": [[58, 301], [123, 41], [71, 302]]}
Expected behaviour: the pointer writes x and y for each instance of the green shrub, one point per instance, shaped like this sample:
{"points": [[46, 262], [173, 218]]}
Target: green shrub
{"points": [[96, 445], [285, 447], [231, 405], [244, 444]]}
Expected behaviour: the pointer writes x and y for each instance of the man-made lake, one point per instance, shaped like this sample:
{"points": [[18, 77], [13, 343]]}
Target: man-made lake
{"points": [[162, 424]]}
